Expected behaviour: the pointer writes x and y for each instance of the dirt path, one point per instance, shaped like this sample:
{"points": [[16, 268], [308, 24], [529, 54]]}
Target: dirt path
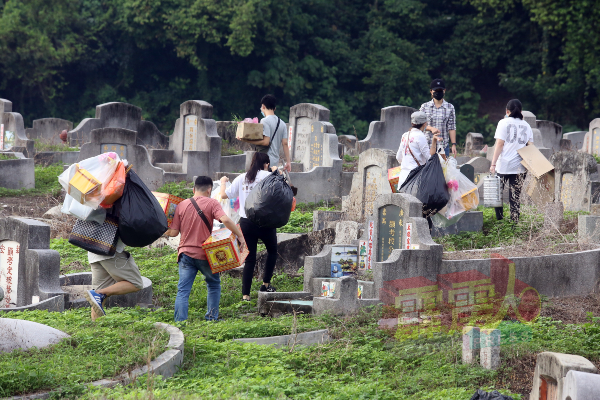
{"points": [[27, 206]]}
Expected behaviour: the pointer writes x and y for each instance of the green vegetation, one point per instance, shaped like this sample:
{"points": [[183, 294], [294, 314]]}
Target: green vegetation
{"points": [[4, 157], [350, 159], [180, 189], [41, 145], [46, 183], [95, 350], [226, 150], [362, 362], [301, 219], [65, 57], [597, 157], [501, 233]]}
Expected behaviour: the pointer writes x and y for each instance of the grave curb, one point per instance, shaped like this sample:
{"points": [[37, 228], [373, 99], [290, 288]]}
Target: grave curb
{"points": [[166, 365], [320, 336]]}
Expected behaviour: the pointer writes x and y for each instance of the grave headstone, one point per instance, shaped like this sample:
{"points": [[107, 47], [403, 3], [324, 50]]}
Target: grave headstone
{"points": [[480, 165], [322, 146], [581, 385], [592, 138], [474, 143], [390, 227], [387, 132], [348, 143], [299, 130], [469, 171], [551, 370], [13, 129], [368, 183], [551, 134], [28, 267], [48, 130], [489, 355], [565, 145], [119, 115], [470, 344], [572, 174], [346, 232], [577, 139]]}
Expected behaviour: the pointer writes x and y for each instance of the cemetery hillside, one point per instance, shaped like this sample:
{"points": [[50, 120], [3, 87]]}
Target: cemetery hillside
{"points": [[383, 199]]}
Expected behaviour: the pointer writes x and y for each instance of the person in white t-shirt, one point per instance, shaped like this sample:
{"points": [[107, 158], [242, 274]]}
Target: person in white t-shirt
{"points": [[241, 188], [414, 150], [512, 134]]}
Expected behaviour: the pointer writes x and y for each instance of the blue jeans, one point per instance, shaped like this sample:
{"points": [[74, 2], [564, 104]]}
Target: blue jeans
{"points": [[447, 151], [188, 269]]}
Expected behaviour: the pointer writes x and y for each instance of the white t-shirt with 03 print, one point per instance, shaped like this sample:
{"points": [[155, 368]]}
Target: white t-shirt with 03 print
{"points": [[515, 133]]}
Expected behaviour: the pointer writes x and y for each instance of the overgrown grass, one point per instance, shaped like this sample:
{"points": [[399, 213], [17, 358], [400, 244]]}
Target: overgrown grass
{"points": [[41, 146], [499, 233], [94, 351], [180, 189], [46, 183], [6, 157], [362, 362]]}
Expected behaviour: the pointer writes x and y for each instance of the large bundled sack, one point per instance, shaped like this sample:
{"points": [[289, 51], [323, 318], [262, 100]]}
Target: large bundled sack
{"points": [[141, 218], [495, 395], [428, 185], [269, 204]]}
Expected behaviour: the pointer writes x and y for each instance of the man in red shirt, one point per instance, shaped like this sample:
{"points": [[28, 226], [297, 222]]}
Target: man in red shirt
{"points": [[194, 231]]}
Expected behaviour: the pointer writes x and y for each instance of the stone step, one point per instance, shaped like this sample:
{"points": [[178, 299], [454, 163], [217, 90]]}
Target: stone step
{"points": [[170, 167], [289, 306]]}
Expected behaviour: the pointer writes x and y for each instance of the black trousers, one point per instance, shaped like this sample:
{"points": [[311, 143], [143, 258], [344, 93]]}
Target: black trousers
{"points": [[252, 233], [515, 185]]}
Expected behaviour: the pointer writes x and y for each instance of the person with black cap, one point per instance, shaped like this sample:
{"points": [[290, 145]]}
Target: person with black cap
{"points": [[441, 117]]}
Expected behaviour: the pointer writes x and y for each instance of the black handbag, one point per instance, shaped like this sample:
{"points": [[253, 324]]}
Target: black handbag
{"points": [[96, 238]]}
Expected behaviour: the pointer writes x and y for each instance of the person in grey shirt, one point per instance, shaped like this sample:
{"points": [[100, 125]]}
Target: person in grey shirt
{"points": [[274, 134]]}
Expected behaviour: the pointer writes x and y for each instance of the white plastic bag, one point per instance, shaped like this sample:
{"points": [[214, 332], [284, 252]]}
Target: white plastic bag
{"points": [[101, 167], [226, 204], [74, 208], [463, 194]]}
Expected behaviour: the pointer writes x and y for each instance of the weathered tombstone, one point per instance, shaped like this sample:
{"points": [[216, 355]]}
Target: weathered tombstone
{"points": [[551, 370], [123, 142], [368, 182], [301, 117], [577, 139], [387, 132], [572, 174], [538, 139], [470, 344], [565, 145], [480, 165], [490, 348], [119, 115], [346, 232], [48, 130], [12, 128], [28, 268], [18, 173], [469, 171], [591, 142], [551, 134], [474, 143], [320, 152], [348, 143], [581, 385]]}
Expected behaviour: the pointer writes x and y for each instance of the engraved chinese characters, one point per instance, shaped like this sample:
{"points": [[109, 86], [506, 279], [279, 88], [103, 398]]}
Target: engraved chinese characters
{"points": [[9, 272], [302, 133], [596, 141], [316, 145], [190, 138], [120, 149], [390, 229], [568, 186], [373, 185]]}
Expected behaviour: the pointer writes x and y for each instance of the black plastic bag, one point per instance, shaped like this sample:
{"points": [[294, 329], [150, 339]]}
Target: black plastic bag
{"points": [[495, 395], [141, 219], [428, 185], [269, 204]]}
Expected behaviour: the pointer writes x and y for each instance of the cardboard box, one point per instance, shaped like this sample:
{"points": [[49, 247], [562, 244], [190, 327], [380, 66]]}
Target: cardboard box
{"points": [[541, 186], [249, 131], [168, 203], [223, 251], [83, 186], [393, 177]]}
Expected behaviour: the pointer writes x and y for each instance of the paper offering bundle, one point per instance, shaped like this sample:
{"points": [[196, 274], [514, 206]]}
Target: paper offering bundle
{"points": [[249, 129], [168, 203], [223, 251], [393, 178]]}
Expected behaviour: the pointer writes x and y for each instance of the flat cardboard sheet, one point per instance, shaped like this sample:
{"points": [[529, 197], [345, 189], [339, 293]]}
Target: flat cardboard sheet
{"points": [[534, 161]]}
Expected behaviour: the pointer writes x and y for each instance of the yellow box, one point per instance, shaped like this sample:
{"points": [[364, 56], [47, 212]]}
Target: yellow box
{"points": [[249, 131], [393, 177], [223, 251], [83, 185], [470, 200], [168, 203]]}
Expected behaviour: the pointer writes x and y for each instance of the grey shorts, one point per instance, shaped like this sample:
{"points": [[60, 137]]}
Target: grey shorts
{"points": [[121, 267]]}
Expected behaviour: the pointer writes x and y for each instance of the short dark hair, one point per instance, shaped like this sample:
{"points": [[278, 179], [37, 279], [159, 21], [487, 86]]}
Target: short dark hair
{"points": [[269, 101], [418, 126], [203, 183]]}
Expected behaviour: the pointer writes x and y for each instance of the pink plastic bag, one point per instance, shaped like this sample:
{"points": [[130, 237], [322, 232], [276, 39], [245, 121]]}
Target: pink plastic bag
{"points": [[251, 120]]}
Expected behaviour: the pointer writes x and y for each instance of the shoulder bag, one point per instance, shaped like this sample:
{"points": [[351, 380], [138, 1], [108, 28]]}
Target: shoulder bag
{"points": [[265, 149], [411, 153]]}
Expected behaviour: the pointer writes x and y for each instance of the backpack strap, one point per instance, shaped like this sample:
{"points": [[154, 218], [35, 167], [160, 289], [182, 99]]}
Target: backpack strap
{"points": [[201, 214], [411, 153]]}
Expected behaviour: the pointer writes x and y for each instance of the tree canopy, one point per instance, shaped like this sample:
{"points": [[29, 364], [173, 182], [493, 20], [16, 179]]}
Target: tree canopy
{"points": [[61, 58]]}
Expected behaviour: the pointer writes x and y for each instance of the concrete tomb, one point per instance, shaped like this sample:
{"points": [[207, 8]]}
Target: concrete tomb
{"points": [[12, 130], [581, 386], [119, 115], [301, 118], [591, 140], [574, 173], [387, 132], [48, 130], [20, 334], [18, 173], [551, 369], [124, 143], [474, 144], [369, 182], [551, 134], [577, 139]]}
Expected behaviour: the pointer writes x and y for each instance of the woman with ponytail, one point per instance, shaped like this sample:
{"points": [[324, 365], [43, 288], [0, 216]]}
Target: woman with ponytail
{"points": [[241, 188], [512, 134]]}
